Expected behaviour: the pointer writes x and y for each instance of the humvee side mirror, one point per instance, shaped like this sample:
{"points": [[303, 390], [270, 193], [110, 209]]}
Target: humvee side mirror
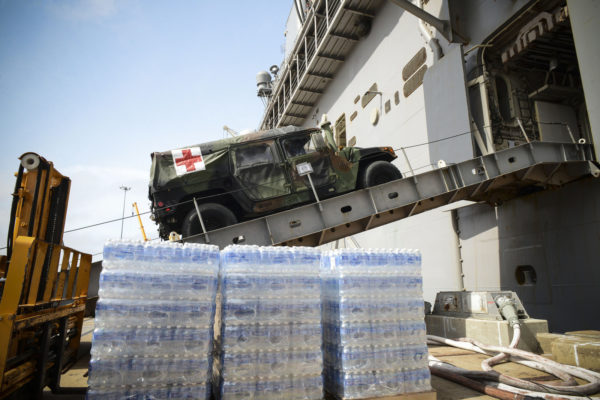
{"points": [[352, 141]]}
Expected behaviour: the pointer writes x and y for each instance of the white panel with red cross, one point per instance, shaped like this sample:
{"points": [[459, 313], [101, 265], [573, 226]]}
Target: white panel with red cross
{"points": [[188, 160]]}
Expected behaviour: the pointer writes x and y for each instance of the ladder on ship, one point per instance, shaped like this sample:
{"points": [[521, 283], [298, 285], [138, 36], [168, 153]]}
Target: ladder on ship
{"points": [[494, 178]]}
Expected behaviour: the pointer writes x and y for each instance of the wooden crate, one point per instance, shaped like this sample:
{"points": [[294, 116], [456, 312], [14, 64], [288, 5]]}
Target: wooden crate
{"points": [[407, 396]]}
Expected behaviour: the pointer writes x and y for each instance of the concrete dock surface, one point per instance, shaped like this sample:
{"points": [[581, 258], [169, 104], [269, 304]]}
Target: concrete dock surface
{"points": [[77, 375]]}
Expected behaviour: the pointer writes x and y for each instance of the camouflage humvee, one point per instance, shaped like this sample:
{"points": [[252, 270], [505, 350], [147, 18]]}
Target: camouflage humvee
{"points": [[241, 178]]}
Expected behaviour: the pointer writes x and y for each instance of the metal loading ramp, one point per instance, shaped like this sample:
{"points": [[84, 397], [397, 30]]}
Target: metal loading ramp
{"points": [[494, 178]]}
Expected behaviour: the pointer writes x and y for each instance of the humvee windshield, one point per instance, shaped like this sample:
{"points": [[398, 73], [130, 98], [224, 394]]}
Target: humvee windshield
{"points": [[305, 144]]}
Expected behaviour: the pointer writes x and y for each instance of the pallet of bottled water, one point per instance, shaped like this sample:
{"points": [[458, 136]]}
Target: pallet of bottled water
{"points": [[373, 323], [271, 324], [153, 327]]}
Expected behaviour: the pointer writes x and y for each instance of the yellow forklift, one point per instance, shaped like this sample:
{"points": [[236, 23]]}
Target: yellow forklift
{"points": [[43, 285]]}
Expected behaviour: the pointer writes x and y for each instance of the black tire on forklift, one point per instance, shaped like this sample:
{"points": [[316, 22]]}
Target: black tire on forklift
{"points": [[214, 215], [379, 172]]}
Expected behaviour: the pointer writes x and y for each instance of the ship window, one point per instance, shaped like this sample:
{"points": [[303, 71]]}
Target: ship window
{"points": [[414, 81], [369, 95], [526, 275], [340, 130], [414, 64]]}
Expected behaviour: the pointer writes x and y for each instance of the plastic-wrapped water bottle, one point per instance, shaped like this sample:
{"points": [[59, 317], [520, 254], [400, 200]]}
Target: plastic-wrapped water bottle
{"points": [[306, 334], [136, 341], [411, 380], [422, 380], [194, 392], [387, 333], [356, 385], [241, 259], [306, 388], [271, 331], [242, 390], [153, 336], [390, 382], [118, 254], [413, 332], [373, 321]]}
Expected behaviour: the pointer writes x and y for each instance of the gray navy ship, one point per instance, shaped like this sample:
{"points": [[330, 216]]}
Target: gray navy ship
{"points": [[445, 81]]}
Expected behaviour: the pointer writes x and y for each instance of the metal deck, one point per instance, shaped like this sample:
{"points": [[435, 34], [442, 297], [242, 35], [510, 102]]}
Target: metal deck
{"points": [[493, 178], [77, 376]]}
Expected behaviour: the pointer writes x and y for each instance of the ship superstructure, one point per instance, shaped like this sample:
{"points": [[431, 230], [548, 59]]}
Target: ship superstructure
{"points": [[446, 81]]}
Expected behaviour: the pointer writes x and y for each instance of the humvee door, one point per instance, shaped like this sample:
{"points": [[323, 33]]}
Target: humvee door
{"points": [[259, 171], [309, 148]]}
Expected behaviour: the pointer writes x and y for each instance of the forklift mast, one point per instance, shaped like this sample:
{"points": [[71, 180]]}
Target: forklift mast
{"points": [[43, 284]]}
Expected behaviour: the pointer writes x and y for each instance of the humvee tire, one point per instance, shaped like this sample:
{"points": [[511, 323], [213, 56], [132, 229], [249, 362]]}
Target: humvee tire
{"points": [[214, 215], [379, 172]]}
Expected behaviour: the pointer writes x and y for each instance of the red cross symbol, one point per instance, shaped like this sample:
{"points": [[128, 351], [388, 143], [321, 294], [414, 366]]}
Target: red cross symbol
{"points": [[188, 160]]}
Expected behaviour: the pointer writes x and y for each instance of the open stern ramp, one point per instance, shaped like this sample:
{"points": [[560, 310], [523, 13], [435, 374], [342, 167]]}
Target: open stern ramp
{"points": [[493, 178]]}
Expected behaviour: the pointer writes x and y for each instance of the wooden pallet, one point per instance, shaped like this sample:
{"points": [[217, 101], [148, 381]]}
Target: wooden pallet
{"points": [[407, 396]]}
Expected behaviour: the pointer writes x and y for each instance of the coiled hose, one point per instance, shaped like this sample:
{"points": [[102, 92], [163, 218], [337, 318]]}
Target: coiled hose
{"points": [[504, 386]]}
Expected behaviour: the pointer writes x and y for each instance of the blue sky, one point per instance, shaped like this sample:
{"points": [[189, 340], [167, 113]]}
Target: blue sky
{"points": [[95, 86]]}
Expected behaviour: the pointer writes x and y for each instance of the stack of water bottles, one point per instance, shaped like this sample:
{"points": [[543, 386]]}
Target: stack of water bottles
{"points": [[153, 327], [373, 329], [271, 324]]}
